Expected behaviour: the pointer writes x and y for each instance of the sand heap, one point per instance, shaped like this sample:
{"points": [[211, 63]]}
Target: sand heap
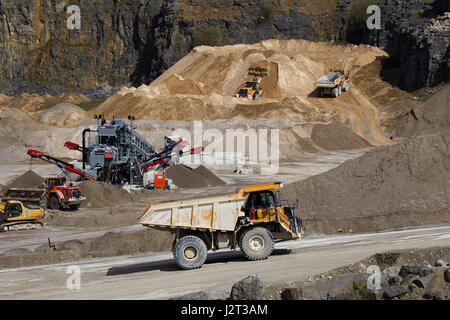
{"points": [[62, 115], [184, 177], [101, 194], [335, 136], [431, 116], [202, 86], [33, 103], [388, 187], [28, 180]]}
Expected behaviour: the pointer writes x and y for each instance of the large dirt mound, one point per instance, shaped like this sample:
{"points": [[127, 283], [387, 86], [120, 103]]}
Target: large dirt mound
{"points": [[202, 86], [431, 116], [33, 103], [336, 136], [101, 194], [184, 177], [388, 187], [62, 114], [210, 178], [28, 180]]}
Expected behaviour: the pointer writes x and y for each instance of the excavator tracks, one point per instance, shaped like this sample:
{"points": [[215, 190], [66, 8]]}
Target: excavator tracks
{"points": [[19, 226]]}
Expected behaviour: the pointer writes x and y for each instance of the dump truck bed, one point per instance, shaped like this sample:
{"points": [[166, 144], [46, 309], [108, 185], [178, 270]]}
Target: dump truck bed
{"points": [[24, 195], [213, 213], [329, 80]]}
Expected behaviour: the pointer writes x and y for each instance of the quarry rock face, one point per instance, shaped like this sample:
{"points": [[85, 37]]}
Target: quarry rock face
{"points": [[133, 42], [416, 34]]}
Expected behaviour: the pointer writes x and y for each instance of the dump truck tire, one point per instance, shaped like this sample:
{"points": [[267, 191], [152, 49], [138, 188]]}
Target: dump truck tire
{"points": [[53, 203], [340, 91], [190, 252], [256, 243]]}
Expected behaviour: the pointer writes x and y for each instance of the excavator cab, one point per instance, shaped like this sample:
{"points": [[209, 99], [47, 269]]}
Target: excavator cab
{"points": [[13, 210]]}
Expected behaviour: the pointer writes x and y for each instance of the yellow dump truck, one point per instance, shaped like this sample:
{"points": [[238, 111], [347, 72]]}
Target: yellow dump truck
{"points": [[333, 83], [253, 218], [21, 209]]}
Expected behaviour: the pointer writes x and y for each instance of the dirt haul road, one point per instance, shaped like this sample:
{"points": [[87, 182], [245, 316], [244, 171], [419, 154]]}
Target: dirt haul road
{"points": [[156, 276]]}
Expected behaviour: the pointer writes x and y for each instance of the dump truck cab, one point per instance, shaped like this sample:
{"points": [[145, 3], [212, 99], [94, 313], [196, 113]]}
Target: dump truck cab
{"points": [[251, 219], [265, 207]]}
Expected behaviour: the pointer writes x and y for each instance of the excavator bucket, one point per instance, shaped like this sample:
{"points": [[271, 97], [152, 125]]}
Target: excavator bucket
{"points": [[258, 72]]}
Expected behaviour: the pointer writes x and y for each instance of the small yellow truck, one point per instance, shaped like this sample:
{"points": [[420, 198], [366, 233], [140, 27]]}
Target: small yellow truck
{"points": [[253, 218], [21, 209], [333, 83]]}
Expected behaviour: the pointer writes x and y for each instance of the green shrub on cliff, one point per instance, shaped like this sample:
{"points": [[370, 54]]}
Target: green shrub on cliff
{"points": [[208, 36], [266, 13]]}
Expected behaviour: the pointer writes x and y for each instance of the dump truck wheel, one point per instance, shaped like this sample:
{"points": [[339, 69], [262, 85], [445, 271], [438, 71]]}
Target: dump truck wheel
{"points": [[339, 90], [74, 206], [54, 203], [256, 243], [190, 252], [345, 87]]}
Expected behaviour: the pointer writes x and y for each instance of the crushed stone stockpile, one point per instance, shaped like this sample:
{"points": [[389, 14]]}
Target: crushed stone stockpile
{"points": [[209, 177], [29, 180], [184, 177], [388, 187], [335, 136], [431, 116], [101, 194]]}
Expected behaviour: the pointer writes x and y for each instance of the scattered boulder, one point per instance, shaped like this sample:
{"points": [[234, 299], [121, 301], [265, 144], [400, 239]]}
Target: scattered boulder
{"points": [[447, 275], [394, 291], [249, 288], [292, 293], [416, 270], [441, 263], [409, 279], [412, 287], [423, 281], [394, 280]]}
